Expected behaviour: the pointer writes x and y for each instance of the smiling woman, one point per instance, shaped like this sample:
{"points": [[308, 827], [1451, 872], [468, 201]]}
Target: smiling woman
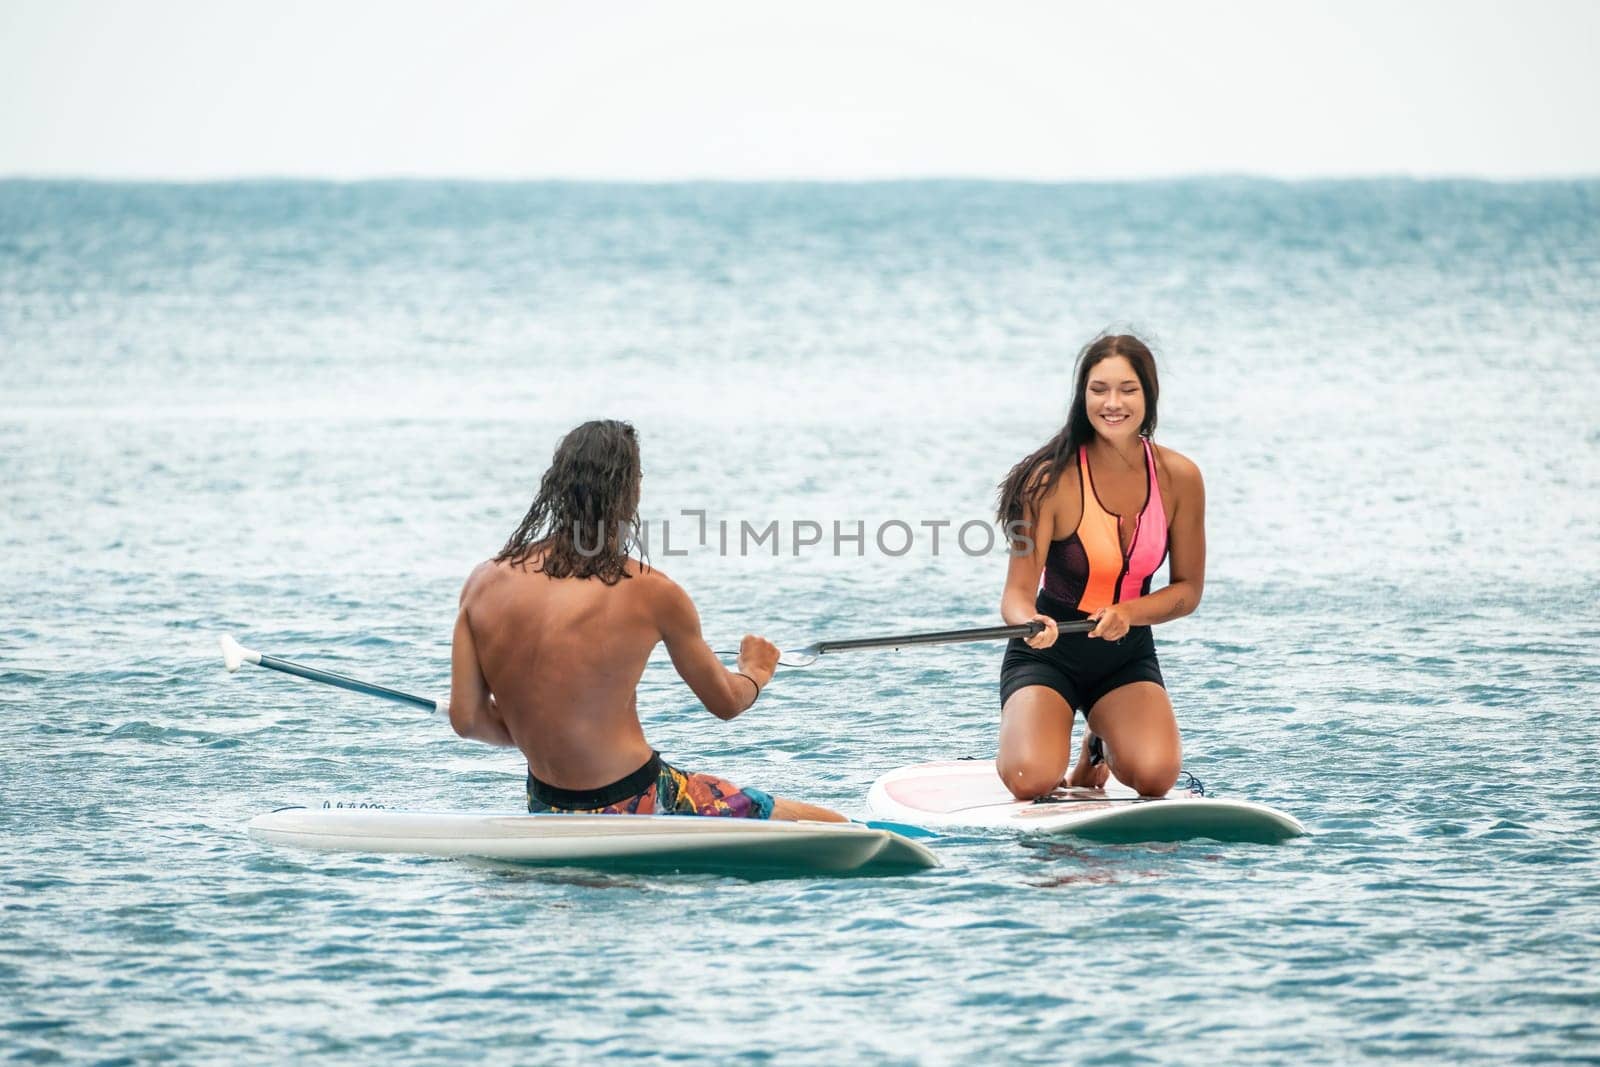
{"points": [[1103, 506]]}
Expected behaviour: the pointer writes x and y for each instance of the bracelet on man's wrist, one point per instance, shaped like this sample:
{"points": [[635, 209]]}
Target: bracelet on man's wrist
{"points": [[754, 683]]}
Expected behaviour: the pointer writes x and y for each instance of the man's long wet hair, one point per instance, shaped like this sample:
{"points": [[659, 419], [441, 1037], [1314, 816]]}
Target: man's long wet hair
{"points": [[1030, 480], [585, 519]]}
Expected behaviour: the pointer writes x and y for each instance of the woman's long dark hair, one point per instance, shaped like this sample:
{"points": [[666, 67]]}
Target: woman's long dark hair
{"points": [[1031, 479], [586, 517]]}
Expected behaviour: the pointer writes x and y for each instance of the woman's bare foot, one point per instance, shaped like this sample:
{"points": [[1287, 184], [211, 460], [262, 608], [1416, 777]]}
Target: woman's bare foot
{"points": [[1083, 775]]}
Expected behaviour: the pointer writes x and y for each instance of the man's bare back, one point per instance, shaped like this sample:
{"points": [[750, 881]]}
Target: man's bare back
{"points": [[562, 658]]}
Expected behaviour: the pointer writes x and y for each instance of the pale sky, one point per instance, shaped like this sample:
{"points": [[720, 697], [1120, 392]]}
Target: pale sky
{"points": [[193, 89]]}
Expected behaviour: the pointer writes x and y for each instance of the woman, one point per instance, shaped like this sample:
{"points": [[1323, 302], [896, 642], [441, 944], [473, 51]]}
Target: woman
{"points": [[1100, 506]]}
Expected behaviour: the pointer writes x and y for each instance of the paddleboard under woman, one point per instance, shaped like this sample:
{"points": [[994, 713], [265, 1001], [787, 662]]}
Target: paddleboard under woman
{"points": [[1103, 506]]}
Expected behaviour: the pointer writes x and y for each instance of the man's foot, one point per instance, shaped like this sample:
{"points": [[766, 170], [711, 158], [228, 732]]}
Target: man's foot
{"points": [[1086, 773]]}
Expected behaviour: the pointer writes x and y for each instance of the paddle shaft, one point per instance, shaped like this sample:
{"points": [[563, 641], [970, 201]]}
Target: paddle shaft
{"points": [[949, 637], [355, 685], [938, 637]]}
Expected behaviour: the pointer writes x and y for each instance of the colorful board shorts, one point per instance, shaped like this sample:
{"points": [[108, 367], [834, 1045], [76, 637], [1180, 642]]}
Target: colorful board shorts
{"points": [[657, 788]]}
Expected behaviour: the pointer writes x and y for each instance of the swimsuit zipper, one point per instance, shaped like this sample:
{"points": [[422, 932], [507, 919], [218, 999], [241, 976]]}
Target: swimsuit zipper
{"points": [[1138, 521]]}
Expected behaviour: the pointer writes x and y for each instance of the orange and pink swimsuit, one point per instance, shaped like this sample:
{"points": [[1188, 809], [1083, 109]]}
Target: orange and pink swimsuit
{"points": [[1089, 570], [1083, 573]]}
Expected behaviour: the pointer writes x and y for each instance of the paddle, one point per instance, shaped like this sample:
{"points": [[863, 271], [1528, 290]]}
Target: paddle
{"points": [[805, 657], [235, 655]]}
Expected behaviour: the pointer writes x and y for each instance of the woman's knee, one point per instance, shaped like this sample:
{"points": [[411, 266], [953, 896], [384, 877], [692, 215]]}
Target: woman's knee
{"points": [[1027, 779], [1148, 779]]}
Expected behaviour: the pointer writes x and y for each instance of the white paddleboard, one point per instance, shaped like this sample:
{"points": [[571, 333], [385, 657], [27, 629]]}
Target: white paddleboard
{"points": [[681, 842], [968, 793]]}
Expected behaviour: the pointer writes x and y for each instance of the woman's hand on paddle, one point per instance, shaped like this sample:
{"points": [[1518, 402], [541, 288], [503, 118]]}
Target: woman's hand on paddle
{"points": [[758, 658], [1111, 623], [1045, 637]]}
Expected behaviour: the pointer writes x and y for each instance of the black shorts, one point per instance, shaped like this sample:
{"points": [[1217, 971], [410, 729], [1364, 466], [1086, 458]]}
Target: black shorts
{"points": [[1082, 669]]}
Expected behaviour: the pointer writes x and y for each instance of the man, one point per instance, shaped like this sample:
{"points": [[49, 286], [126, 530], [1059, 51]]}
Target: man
{"points": [[552, 639]]}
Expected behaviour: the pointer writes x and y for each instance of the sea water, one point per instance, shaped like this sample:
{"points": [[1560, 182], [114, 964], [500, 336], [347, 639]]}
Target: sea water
{"points": [[300, 413]]}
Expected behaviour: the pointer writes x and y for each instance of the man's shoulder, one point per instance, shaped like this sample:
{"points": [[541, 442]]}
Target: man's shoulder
{"points": [[483, 575], [651, 581], [668, 603], [486, 571]]}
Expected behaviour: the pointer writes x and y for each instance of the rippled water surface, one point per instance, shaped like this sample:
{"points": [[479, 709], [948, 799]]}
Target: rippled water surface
{"points": [[301, 413]]}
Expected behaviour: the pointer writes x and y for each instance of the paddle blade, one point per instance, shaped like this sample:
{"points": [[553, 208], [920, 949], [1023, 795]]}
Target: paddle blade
{"points": [[235, 654]]}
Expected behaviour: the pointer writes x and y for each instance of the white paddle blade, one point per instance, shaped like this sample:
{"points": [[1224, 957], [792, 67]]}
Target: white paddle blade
{"points": [[235, 655]]}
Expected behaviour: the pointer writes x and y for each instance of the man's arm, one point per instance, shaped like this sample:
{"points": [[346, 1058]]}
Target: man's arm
{"points": [[472, 711], [725, 693]]}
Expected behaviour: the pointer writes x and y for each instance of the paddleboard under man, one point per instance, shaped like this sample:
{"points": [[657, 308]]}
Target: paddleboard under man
{"points": [[553, 635]]}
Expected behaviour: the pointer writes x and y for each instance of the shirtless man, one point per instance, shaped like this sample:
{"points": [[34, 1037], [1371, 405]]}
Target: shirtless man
{"points": [[552, 638]]}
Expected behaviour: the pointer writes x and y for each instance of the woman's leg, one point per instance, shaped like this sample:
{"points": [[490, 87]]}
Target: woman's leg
{"points": [[1035, 741], [1143, 747]]}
